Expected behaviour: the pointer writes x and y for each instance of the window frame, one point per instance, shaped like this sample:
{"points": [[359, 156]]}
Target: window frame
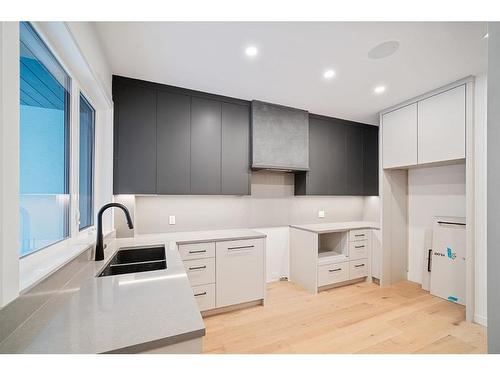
{"points": [[36, 267], [68, 144], [83, 96], [76, 239]]}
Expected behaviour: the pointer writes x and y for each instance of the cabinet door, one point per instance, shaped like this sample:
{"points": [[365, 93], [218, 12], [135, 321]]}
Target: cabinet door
{"points": [[370, 155], [173, 143], [338, 159], [240, 271], [205, 146], [441, 127], [355, 163], [135, 140], [235, 149], [399, 137], [320, 168]]}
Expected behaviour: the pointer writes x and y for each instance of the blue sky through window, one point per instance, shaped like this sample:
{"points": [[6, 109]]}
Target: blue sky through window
{"points": [[44, 144]]}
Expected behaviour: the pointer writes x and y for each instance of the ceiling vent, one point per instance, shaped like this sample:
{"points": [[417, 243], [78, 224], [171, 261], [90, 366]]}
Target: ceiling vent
{"points": [[383, 50]]}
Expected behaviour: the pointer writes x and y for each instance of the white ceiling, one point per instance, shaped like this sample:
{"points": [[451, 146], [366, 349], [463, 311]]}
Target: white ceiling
{"points": [[293, 56]]}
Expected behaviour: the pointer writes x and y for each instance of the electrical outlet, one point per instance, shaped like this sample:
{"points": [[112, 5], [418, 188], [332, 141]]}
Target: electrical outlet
{"points": [[171, 220], [321, 213]]}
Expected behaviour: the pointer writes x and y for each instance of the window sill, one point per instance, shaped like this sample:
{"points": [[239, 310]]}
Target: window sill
{"points": [[36, 267]]}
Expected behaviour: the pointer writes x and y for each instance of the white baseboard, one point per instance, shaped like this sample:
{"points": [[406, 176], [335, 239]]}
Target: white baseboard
{"points": [[480, 319]]}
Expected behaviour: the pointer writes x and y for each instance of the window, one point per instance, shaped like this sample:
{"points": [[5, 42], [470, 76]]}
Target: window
{"points": [[44, 144], [86, 180]]}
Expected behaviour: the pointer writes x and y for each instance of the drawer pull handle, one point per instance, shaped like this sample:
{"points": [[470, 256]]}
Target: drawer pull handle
{"points": [[335, 270], [359, 265], [240, 247], [197, 268], [359, 247], [200, 294], [197, 251], [359, 235]]}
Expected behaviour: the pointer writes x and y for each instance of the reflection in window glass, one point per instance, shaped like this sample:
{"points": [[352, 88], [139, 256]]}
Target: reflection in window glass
{"points": [[86, 201], [44, 144]]}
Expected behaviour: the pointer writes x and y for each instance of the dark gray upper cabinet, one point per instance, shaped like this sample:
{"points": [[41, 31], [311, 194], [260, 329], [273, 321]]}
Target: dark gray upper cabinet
{"points": [[206, 140], [135, 140], [170, 140], [173, 143], [280, 137], [321, 156], [235, 149], [339, 160], [355, 160], [343, 159]]}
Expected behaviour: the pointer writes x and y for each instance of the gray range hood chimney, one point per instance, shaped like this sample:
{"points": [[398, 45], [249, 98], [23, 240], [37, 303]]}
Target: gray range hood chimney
{"points": [[280, 137]]}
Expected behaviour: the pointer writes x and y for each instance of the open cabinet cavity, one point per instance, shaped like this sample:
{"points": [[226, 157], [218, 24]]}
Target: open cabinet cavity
{"points": [[332, 247]]}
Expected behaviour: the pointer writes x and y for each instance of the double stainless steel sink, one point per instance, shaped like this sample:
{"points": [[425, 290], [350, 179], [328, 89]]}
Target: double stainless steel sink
{"points": [[136, 259]]}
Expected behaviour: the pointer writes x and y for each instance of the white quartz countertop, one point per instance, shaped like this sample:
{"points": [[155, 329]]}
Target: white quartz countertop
{"points": [[124, 313], [337, 227]]}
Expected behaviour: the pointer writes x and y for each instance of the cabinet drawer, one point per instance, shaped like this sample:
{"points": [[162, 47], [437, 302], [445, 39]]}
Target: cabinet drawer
{"points": [[205, 296], [197, 250], [333, 273], [240, 271], [358, 249], [200, 271], [358, 268], [358, 234]]}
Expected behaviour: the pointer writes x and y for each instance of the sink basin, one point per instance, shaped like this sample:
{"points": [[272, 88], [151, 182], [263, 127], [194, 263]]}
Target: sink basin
{"points": [[139, 254], [136, 259], [121, 269]]}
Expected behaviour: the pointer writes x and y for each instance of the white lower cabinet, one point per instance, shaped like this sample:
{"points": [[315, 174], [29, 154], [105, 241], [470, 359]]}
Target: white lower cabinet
{"points": [[197, 250], [358, 249], [333, 273], [240, 271], [358, 269], [205, 296], [355, 263], [200, 271], [225, 273]]}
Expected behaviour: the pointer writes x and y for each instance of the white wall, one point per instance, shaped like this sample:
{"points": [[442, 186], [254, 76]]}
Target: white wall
{"points": [[432, 191], [371, 209], [277, 252], [9, 161], [90, 45], [480, 139]]}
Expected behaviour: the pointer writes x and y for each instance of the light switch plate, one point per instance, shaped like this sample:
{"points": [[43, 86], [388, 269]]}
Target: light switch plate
{"points": [[171, 220], [321, 213]]}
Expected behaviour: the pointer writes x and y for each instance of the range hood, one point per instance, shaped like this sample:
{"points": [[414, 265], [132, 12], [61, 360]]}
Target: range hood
{"points": [[280, 137]]}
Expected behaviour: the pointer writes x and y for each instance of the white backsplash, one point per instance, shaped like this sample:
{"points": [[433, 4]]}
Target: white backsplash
{"points": [[271, 204]]}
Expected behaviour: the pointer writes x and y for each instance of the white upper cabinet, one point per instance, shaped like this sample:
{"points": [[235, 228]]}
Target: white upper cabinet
{"points": [[399, 137], [441, 127]]}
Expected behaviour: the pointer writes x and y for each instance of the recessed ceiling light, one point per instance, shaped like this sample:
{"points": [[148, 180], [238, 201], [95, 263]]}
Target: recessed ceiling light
{"points": [[485, 36], [251, 51], [379, 89], [328, 74]]}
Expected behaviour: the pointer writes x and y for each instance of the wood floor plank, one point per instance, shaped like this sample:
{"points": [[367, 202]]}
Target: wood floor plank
{"points": [[359, 318], [447, 345]]}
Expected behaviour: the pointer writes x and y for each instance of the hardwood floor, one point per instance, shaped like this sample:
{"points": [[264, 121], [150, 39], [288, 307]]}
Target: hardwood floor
{"points": [[359, 318]]}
